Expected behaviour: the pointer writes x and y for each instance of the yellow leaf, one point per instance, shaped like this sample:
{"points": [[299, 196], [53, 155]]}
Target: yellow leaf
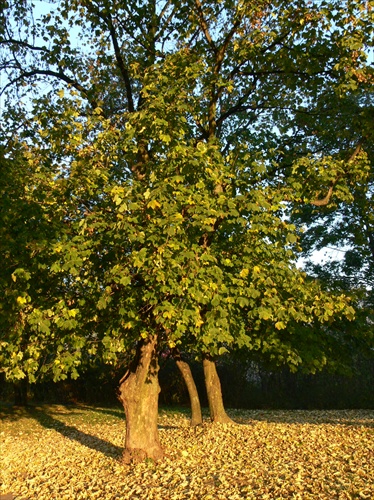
{"points": [[244, 273], [153, 204], [279, 325]]}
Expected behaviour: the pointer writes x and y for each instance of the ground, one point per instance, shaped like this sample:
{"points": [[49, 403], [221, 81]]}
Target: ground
{"points": [[73, 453]]}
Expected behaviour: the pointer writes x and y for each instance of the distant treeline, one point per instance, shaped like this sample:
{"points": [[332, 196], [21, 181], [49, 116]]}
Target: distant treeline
{"points": [[245, 384]]}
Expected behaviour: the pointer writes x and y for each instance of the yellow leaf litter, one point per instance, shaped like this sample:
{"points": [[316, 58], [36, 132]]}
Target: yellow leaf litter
{"points": [[73, 453]]}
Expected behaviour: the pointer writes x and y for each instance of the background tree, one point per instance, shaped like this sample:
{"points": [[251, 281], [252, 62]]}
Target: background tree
{"points": [[27, 229], [344, 228], [161, 125]]}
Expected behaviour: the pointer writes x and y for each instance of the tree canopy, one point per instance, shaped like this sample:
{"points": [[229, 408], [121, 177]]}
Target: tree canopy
{"points": [[160, 148]]}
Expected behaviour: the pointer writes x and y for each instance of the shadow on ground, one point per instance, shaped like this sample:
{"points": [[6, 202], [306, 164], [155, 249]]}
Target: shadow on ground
{"points": [[71, 432], [47, 415], [354, 418]]}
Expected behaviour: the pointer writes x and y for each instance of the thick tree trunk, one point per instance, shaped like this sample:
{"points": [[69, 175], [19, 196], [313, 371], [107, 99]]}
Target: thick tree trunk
{"points": [[184, 368], [138, 392], [214, 392]]}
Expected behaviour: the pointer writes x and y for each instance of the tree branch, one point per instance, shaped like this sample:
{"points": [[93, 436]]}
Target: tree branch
{"points": [[55, 74], [204, 26], [12, 41], [227, 40], [355, 152], [117, 51], [324, 201], [238, 107], [167, 21]]}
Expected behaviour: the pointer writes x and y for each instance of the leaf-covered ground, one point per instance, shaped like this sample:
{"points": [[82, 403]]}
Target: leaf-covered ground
{"points": [[72, 453]]}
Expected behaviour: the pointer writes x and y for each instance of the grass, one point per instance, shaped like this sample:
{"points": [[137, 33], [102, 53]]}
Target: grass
{"points": [[73, 452]]}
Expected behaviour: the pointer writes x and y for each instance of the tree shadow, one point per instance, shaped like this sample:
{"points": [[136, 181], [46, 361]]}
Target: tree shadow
{"points": [[118, 413], [71, 432], [352, 418], [12, 412]]}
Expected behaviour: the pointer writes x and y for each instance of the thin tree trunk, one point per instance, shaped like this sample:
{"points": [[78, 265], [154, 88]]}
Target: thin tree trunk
{"points": [[214, 392], [184, 368], [20, 392], [138, 392]]}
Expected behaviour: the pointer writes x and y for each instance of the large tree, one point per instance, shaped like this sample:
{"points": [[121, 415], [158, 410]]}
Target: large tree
{"points": [[160, 132]]}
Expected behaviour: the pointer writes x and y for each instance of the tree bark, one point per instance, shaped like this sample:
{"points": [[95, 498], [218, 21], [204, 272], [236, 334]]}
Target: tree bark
{"points": [[184, 368], [138, 392], [214, 392]]}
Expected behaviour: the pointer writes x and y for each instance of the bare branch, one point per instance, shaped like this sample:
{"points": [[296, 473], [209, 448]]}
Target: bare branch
{"points": [[238, 107], [227, 40], [117, 51], [12, 41], [120, 61], [55, 74], [204, 25], [216, 94], [166, 23]]}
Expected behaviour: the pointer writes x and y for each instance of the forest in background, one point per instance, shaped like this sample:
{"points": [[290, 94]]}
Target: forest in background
{"points": [[245, 384]]}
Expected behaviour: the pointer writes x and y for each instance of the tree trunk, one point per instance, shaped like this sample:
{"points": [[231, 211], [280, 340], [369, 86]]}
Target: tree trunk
{"points": [[214, 392], [138, 392], [20, 392], [184, 368]]}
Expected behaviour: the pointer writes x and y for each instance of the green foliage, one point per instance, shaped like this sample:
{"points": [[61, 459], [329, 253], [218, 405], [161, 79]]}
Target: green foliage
{"points": [[344, 229], [159, 171]]}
